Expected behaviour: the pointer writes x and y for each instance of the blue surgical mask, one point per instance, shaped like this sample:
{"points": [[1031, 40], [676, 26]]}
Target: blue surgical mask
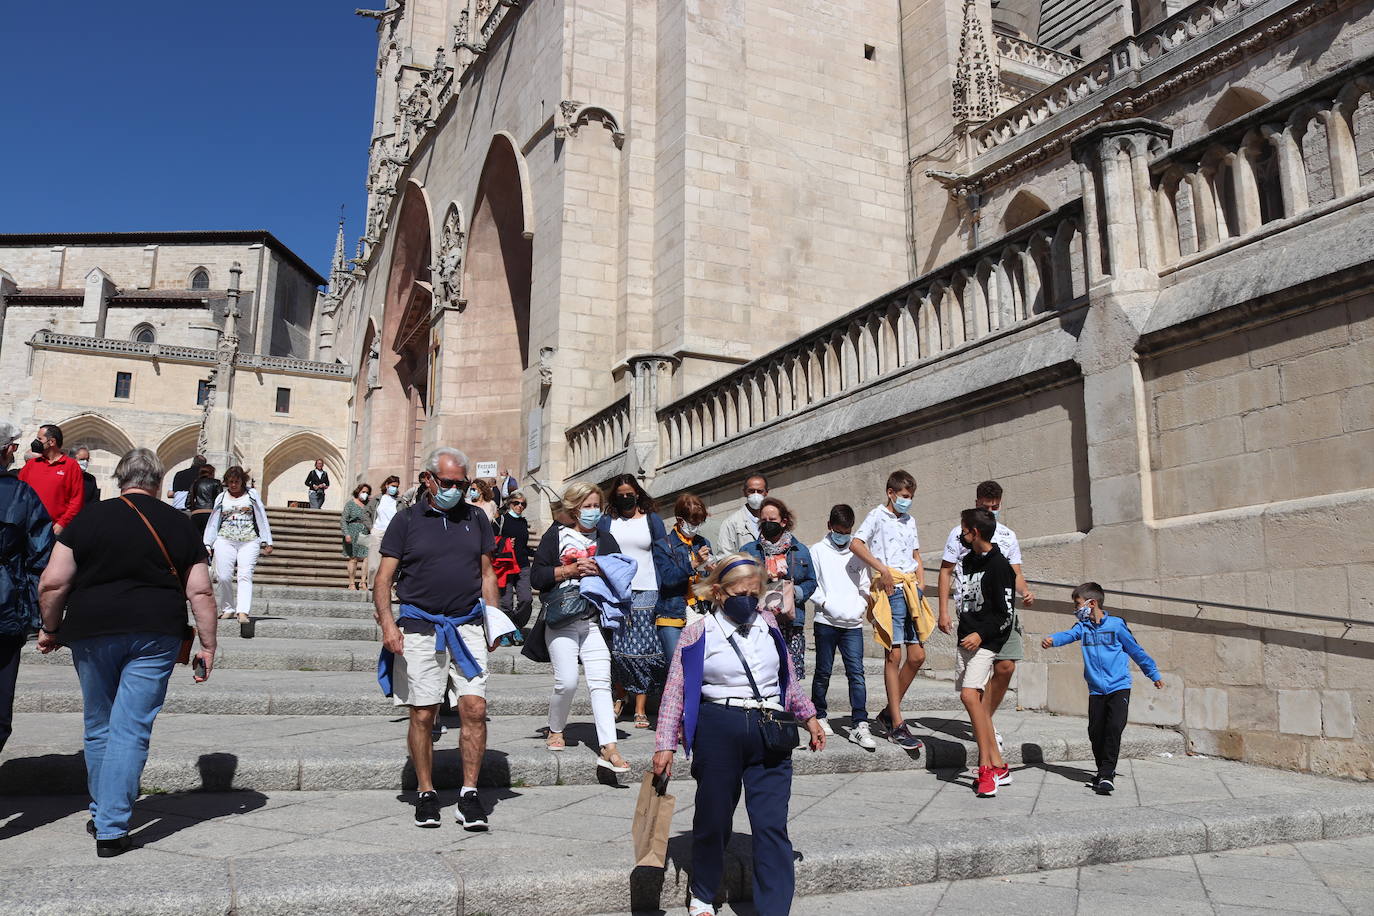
{"points": [[392, 490], [1084, 613], [588, 518], [840, 540], [740, 608], [474, 494], [447, 499], [902, 504], [997, 514]]}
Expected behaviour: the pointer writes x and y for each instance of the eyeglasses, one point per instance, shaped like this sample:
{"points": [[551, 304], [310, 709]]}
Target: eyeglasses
{"points": [[448, 484]]}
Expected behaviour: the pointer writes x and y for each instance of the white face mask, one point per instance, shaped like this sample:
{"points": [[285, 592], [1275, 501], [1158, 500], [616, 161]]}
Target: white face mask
{"points": [[83, 463], [364, 495], [754, 500], [687, 528]]}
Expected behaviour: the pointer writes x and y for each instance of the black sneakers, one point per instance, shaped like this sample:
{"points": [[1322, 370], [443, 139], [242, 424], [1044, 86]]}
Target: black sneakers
{"points": [[1104, 786], [427, 810], [108, 849], [469, 813]]}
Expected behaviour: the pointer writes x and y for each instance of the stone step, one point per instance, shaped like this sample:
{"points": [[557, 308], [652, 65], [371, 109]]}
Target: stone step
{"points": [[290, 853], [298, 593], [336, 647], [356, 693], [333, 580], [275, 753]]}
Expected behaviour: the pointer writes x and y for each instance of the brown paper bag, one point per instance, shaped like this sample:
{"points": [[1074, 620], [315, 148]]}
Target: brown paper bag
{"points": [[653, 821]]}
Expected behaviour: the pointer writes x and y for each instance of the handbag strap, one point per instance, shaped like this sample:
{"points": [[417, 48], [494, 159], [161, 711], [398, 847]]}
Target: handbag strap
{"points": [[171, 567], [753, 685]]}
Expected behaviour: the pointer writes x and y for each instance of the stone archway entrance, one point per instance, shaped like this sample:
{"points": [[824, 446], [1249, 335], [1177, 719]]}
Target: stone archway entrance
{"points": [[487, 353], [401, 405]]}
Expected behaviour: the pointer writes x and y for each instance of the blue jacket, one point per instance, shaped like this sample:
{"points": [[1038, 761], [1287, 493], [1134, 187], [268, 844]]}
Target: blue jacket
{"points": [[673, 563], [656, 529], [26, 541], [801, 569], [1105, 647], [446, 639], [610, 591]]}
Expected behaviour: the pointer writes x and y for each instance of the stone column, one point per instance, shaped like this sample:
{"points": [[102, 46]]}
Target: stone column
{"points": [[7, 288], [99, 289], [217, 425], [646, 375]]}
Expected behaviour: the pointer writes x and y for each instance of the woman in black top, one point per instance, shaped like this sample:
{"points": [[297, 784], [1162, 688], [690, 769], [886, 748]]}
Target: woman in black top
{"points": [[123, 571]]}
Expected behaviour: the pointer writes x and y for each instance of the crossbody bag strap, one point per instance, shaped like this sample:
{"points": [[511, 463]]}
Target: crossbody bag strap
{"points": [[171, 567], [747, 672]]}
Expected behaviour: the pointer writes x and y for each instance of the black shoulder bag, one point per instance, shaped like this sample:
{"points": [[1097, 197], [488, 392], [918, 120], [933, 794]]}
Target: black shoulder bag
{"points": [[779, 729]]}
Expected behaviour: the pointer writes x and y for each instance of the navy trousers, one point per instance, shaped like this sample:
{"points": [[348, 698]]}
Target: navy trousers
{"points": [[10, 649], [728, 755]]}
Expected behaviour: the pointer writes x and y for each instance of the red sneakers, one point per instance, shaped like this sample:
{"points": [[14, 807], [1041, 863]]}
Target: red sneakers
{"points": [[986, 784], [1003, 775]]}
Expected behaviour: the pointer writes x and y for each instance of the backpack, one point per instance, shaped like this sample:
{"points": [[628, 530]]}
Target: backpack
{"points": [[203, 494]]}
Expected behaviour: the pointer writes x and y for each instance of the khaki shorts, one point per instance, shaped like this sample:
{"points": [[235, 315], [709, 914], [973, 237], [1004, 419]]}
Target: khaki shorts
{"points": [[973, 669], [422, 677]]}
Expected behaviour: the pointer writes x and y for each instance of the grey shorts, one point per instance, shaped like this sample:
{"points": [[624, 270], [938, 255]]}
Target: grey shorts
{"points": [[1014, 649]]}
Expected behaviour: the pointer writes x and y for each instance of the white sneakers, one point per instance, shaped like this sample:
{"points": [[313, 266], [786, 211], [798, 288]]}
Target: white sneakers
{"points": [[860, 735], [825, 727]]}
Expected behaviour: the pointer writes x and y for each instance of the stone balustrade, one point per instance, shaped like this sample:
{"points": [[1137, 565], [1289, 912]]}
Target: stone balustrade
{"points": [[1036, 269], [1159, 46], [601, 436], [1298, 155], [1011, 48], [52, 340]]}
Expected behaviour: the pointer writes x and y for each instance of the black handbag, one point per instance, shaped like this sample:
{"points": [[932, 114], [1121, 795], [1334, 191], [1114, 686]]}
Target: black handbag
{"points": [[536, 647], [779, 727], [564, 605]]}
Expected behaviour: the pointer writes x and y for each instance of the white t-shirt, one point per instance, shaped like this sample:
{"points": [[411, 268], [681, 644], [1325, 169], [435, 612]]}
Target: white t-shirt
{"points": [[892, 539], [632, 534], [386, 511], [955, 551], [841, 595], [722, 676]]}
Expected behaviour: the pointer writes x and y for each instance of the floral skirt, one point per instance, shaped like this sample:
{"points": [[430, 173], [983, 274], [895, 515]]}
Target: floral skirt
{"points": [[637, 661], [795, 637]]}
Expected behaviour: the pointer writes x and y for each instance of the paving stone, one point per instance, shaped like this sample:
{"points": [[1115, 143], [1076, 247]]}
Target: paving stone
{"points": [[123, 885], [327, 885]]}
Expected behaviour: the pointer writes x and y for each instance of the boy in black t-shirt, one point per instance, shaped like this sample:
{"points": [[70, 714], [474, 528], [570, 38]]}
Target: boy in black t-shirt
{"points": [[984, 625]]}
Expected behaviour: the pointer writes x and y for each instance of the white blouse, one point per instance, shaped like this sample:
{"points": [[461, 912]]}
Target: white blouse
{"points": [[722, 675]]}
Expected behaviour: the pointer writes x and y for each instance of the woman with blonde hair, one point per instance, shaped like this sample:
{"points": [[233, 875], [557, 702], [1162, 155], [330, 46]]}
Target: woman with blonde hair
{"points": [[567, 554], [731, 698]]}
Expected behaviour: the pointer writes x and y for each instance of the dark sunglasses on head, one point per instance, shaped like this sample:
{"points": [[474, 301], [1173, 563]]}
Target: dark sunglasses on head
{"points": [[448, 484]]}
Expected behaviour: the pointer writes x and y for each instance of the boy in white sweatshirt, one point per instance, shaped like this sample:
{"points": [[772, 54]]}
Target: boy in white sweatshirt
{"points": [[839, 605]]}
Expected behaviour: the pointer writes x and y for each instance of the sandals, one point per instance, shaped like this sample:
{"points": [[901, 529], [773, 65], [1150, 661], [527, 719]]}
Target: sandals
{"points": [[610, 763], [555, 742], [619, 707], [641, 720]]}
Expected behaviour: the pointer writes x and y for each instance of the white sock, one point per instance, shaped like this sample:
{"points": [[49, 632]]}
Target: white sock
{"points": [[467, 789]]}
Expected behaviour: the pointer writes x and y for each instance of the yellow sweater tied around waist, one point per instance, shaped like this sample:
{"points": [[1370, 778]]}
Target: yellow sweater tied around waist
{"points": [[880, 609]]}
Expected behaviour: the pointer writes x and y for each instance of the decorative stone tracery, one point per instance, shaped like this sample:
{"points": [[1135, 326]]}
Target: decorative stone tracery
{"points": [[975, 75], [448, 263]]}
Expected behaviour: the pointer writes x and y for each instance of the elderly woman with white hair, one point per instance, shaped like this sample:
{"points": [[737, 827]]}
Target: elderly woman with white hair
{"points": [[565, 556], [115, 593], [734, 704]]}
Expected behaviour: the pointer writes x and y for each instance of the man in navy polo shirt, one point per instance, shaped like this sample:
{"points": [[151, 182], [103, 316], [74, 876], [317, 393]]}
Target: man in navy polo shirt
{"points": [[441, 548]]}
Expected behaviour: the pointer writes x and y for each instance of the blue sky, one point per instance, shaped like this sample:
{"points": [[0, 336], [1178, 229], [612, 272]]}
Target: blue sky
{"points": [[236, 114]]}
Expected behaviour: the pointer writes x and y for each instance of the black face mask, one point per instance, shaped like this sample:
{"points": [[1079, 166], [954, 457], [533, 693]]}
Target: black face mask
{"points": [[740, 608], [626, 502], [771, 531], [37, 446], [968, 545]]}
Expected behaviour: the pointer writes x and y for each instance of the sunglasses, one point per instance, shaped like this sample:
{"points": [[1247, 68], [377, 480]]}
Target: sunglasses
{"points": [[448, 484]]}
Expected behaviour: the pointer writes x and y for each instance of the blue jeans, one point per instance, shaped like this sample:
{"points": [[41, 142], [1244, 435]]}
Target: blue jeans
{"points": [[123, 683], [668, 637], [850, 642]]}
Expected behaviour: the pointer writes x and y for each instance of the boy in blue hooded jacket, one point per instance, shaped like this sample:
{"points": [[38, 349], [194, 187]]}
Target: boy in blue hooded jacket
{"points": [[1107, 641]]}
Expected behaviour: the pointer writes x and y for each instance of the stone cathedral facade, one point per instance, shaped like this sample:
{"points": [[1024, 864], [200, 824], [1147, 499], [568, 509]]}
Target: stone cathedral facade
{"points": [[1114, 254]]}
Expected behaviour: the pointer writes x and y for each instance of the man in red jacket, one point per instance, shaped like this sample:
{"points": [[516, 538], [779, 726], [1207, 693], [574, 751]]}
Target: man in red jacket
{"points": [[55, 477]]}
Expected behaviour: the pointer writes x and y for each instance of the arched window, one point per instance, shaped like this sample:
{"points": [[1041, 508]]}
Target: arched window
{"points": [[1023, 208], [144, 333], [1233, 103], [200, 279]]}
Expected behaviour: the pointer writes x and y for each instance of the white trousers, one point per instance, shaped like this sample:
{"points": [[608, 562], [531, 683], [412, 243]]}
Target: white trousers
{"points": [[228, 555], [581, 639]]}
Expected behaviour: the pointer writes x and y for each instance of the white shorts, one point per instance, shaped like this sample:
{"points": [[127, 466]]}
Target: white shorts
{"points": [[973, 669], [422, 677]]}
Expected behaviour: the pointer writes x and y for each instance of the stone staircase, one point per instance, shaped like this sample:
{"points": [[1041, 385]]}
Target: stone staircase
{"points": [[292, 760], [307, 550]]}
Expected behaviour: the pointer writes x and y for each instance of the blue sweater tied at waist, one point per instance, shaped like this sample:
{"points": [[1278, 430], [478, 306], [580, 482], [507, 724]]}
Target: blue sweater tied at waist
{"points": [[446, 639]]}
